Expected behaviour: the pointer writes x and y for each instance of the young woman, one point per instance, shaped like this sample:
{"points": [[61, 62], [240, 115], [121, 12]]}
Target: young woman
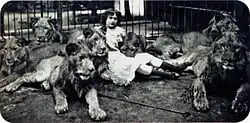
{"points": [[122, 69]]}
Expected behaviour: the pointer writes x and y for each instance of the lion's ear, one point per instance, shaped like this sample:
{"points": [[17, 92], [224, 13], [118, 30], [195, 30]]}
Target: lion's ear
{"points": [[143, 41], [87, 32], [34, 20], [72, 49], [53, 21], [212, 20], [2, 40]]}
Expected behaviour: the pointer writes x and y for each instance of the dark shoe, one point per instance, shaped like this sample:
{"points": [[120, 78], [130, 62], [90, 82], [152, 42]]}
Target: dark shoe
{"points": [[168, 75]]}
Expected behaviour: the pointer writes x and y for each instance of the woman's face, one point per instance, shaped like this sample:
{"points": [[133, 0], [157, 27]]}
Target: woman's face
{"points": [[111, 21]]}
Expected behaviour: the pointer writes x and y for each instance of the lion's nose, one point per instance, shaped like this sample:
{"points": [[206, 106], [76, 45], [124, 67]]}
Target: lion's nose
{"points": [[103, 49], [91, 69], [8, 59], [40, 37]]}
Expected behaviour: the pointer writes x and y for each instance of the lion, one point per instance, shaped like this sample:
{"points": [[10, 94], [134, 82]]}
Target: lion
{"points": [[192, 45], [223, 71], [2, 43], [133, 44], [74, 71], [179, 50], [78, 71], [18, 58], [92, 39], [221, 22], [46, 30], [10, 50], [83, 65]]}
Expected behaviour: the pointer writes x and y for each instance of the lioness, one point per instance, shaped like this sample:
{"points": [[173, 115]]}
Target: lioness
{"points": [[192, 44], [19, 58], [95, 40], [46, 30], [133, 44]]}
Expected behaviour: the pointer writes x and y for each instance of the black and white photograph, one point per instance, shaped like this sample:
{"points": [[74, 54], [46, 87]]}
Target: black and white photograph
{"points": [[124, 61]]}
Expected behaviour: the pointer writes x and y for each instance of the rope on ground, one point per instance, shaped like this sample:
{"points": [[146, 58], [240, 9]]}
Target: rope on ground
{"points": [[184, 114]]}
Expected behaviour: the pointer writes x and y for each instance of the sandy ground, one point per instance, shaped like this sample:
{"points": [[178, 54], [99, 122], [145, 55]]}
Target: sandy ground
{"points": [[33, 105]]}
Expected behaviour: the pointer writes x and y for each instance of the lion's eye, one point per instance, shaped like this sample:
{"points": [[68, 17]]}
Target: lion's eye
{"points": [[83, 56], [238, 50], [132, 49], [46, 27]]}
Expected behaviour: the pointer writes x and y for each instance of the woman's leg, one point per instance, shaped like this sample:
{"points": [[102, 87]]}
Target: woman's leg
{"points": [[148, 70], [156, 62]]}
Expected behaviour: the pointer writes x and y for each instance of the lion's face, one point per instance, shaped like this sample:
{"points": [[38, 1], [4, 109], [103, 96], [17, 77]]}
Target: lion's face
{"points": [[229, 57], [43, 28], [133, 44], [13, 51], [79, 61], [96, 41], [227, 24], [222, 23]]}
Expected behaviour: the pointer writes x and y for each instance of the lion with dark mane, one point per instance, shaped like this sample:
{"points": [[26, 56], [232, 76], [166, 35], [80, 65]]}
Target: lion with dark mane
{"points": [[223, 70]]}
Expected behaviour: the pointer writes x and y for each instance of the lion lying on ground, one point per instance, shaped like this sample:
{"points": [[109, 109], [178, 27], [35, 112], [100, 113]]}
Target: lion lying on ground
{"points": [[224, 71], [133, 44], [76, 72], [19, 59], [192, 44], [80, 70]]}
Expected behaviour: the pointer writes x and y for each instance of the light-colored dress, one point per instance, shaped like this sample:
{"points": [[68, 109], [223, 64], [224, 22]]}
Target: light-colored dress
{"points": [[122, 68]]}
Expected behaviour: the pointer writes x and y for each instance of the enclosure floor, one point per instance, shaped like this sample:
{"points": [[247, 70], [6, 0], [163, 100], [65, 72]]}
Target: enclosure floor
{"points": [[33, 105]]}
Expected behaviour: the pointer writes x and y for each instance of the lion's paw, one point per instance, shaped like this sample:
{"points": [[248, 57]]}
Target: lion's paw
{"points": [[97, 113], [239, 106], [61, 107], [12, 87], [201, 104]]}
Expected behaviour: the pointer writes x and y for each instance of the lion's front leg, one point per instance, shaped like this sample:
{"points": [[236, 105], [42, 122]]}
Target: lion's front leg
{"points": [[61, 105], [197, 93], [241, 102], [38, 76], [18, 82], [8, 79], [95, 111], [200, 101]]}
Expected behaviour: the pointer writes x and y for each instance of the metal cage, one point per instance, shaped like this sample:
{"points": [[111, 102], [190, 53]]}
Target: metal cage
{"points": [[159, 16]]}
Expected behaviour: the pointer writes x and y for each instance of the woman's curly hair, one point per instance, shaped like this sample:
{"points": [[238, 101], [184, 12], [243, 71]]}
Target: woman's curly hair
{"points": [[111, 11]]}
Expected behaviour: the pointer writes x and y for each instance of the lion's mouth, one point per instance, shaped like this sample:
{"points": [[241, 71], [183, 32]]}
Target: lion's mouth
{"points": [[103, 53], [9, 63], [84, 76], [228, 67]]}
